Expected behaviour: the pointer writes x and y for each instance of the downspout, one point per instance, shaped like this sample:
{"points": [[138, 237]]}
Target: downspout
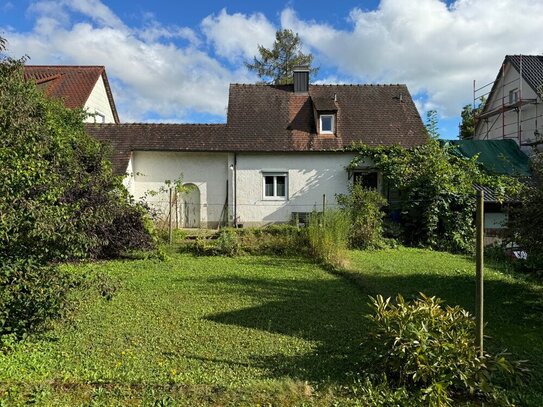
{"points": [[235, 197]]}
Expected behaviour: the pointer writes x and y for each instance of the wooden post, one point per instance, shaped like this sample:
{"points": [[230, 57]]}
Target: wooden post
{"points": [[323, 202], [170, 231], [479, 271]]}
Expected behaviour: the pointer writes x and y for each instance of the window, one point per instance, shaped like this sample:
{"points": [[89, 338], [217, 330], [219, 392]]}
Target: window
{"points": [[368, 180], [513, 96], [275, 186], [326, 123]]}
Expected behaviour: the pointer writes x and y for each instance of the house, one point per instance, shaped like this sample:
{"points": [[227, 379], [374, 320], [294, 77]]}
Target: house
{"points": [[84, 87], [512, 108], [281, 151]]}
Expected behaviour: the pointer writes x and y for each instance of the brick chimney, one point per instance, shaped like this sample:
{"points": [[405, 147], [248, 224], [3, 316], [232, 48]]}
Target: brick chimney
{"points": [[301, 79]]}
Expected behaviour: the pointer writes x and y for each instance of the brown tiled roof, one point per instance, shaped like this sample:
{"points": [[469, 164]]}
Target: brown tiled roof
{"points": [[263, 118], [125, 138], [72, 84], [274, 118]]}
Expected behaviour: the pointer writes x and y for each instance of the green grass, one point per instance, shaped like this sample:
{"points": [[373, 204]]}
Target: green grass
{"points": [[207, 330], [255, 330], [513, 303]]}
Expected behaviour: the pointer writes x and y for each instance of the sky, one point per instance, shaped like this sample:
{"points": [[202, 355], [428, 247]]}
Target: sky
{"points": [[170, 62]]}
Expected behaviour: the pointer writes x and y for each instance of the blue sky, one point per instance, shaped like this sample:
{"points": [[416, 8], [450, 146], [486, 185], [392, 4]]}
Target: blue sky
{"points": [[170, 63]]}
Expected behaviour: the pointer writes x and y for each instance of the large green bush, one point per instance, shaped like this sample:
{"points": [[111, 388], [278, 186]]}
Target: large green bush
{"points": [[364, 207], [434, 192], [526, 219], [430, 350], [59, 200]]}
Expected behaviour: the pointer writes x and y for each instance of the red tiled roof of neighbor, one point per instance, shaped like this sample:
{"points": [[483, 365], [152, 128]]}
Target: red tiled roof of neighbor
{"points": [[264, 118], [72, 84]]}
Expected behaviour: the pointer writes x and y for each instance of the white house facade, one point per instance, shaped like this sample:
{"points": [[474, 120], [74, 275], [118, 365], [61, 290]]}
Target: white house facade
{"points": [[283, 152]]}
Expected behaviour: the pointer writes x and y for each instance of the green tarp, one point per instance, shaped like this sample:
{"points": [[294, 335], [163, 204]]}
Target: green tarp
{"points": [[498, 156]]}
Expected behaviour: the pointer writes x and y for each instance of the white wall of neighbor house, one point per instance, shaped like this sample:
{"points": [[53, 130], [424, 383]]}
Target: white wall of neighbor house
{"points": [[129, 181], [98, 106], [207, 171], [309, 176], [512, 123]]}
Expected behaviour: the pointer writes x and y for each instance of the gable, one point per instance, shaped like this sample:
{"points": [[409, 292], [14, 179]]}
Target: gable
{"points": [[71, 84]]}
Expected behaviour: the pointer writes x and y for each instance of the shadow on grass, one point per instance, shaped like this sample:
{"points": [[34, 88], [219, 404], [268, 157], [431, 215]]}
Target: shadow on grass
{"points": [[331, 313]]}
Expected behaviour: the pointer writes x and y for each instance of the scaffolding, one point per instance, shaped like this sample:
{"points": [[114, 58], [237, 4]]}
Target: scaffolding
{"points": [[491, 115]]}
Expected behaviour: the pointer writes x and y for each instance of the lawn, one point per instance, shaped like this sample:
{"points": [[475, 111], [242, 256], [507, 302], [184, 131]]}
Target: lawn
{"points": [[252, 330]]}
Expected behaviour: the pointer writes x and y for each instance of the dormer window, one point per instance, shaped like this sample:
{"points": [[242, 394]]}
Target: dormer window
{"points": [[327, 124]]}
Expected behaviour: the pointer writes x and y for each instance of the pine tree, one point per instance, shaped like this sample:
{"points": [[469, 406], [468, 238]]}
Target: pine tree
{"points": [[275, 65]]}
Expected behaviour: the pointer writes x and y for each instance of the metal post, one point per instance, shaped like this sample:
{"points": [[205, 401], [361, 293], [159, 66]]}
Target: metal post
{"points": [[479, 267], [170, 231], [323, 202]]}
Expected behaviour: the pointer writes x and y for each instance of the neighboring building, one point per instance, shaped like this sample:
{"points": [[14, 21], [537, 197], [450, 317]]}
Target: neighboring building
{"points": [[85, 87], [281, 150], [502, 157], [513, 109]]}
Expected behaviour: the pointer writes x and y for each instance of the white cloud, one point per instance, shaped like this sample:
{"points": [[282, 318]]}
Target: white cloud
{"points": [[150, 76], [432, 48], [237, 35]]}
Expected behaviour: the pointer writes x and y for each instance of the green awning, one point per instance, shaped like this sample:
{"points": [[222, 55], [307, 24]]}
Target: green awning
{"points": [[497, 156]]}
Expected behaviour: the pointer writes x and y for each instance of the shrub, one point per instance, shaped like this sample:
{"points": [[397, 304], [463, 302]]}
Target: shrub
{"points": [[526, 220], [273, 240], [227, 243], [364, 209], [328, 234], [31, 295], [431, 351]]}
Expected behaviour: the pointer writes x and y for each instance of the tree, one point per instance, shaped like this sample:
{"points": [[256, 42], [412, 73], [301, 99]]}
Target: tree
{"points": [[275, 65], [467, 126]]}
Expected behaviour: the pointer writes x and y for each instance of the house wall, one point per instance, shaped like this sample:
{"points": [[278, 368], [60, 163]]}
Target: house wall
{"points": [[207, 171], [310, 175], [511, 124], [98, 102]]}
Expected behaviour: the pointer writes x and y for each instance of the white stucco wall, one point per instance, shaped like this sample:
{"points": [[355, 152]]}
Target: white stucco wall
{"points": [[310, 175], [208, 171], [99, 103], [511, 124]]}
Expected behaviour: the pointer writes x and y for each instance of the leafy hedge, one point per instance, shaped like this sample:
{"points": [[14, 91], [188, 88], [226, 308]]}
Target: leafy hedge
{"points": [[59, 200], [436, 198]]}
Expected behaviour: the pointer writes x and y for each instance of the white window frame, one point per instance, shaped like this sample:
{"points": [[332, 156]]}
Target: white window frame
{"points": [[333, 117], [274, 197]]}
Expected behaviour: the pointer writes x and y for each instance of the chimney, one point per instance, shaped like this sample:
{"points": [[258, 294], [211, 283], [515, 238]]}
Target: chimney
{"points": [[301, 79]]}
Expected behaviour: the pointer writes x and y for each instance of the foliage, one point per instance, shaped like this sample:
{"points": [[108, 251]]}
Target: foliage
{"points": [[364, 209], [526, 220], [58, 199], [30, 295], [276, 65], [328, 235], [432, 124], [436, 199], [430, 350], [272, 239], [466, 128]]}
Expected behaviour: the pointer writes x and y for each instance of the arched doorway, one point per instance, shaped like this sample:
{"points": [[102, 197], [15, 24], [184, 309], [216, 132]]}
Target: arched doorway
{"points": [[191, 207]]}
